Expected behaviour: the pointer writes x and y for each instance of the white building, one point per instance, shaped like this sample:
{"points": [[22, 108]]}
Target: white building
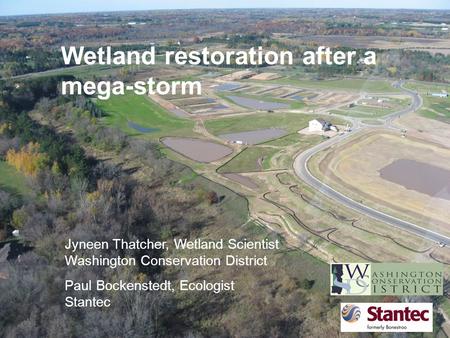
{"points": [[318, 125]]}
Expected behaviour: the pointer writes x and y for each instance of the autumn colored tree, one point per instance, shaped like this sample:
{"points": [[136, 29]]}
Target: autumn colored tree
{"points": [[27, 160]]}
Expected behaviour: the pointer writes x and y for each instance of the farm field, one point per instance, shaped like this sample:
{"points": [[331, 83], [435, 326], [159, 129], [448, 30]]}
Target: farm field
{"points": [[382, 42]]}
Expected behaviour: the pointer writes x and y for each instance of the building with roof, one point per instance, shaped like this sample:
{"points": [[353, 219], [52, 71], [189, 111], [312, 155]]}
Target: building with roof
{"points": [[319, 125]]}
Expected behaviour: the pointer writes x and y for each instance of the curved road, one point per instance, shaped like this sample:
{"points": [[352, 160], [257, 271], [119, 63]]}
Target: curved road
{"points": [[302, 171]]}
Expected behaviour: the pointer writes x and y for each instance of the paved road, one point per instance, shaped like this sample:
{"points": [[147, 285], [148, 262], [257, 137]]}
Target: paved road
{"points": [[302, 171]]}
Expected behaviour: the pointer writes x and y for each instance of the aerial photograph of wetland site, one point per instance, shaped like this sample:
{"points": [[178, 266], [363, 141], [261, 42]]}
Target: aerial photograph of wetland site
{"points": [[304, 165]]}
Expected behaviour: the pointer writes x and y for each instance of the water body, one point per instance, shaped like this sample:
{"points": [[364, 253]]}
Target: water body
{"points": [[422, 177], [257, 104], [141, 128], [255, 136], [228, 86], [196, 149], [297, 97], [219, 107]]}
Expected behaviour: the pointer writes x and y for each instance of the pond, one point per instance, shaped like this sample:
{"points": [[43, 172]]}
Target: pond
{"points": [[421, 177], [257, 104], [140, 128], [255, 136], [225, 87], [196, 149]]}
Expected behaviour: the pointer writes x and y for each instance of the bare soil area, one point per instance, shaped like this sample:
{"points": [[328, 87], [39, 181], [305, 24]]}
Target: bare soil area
{"points": [[355, 167], [255, 136], [244, 180], [196, 149]]}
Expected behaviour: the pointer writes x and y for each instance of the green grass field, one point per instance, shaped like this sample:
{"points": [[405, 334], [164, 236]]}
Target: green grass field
{"points": [[433, 107], [12, 181], [293, 104], [250, 159], [374, 86], [142, 111], [426, 87], [367, 111], [362, 111], [289, 121], [436, 108], [302, 141]]}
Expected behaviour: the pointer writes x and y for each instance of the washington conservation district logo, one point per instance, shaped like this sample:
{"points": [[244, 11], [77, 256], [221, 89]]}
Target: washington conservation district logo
{"points": [[381, 279], [351, 313], [350, 279]]}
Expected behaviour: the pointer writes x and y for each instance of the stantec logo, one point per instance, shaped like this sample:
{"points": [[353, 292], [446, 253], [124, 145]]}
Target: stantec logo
{"points": [[351, 313], [406, 314], [387, 317]]}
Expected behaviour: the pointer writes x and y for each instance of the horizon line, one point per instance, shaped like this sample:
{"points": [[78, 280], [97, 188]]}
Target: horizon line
{"points": [[217, 8]]}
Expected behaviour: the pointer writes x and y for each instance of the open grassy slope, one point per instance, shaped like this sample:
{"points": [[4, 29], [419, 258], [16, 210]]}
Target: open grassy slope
{"points": [[289, 121], [143, 111]]}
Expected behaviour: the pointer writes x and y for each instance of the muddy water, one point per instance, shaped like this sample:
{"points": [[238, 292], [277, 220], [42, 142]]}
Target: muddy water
{"points": [[422, 177], [255, 136], [257, 104], [197, 150]]}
